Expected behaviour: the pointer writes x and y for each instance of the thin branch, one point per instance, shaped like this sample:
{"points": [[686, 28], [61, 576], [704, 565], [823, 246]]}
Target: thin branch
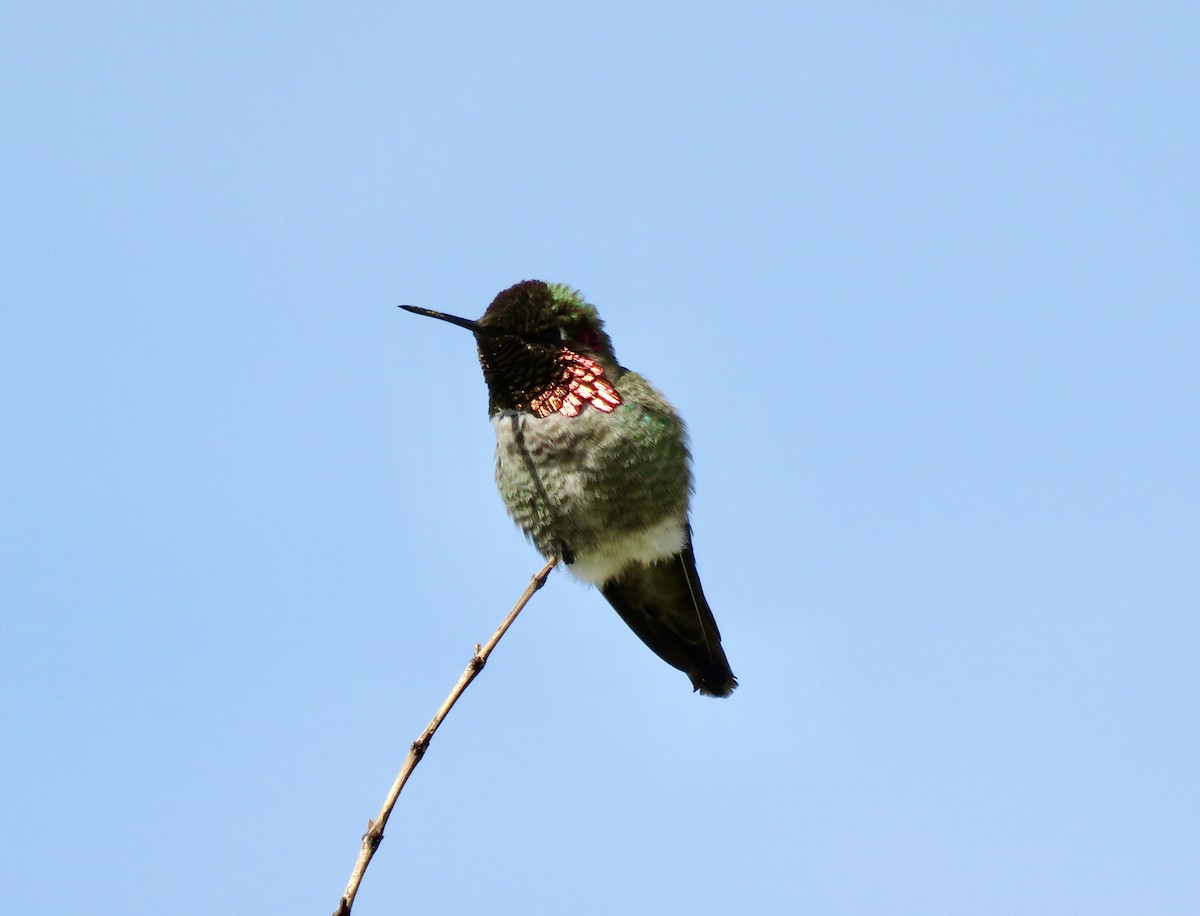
{"points": [[374, 835]]}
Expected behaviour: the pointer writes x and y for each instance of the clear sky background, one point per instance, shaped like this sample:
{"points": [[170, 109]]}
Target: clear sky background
{"points": [[924, 280]]}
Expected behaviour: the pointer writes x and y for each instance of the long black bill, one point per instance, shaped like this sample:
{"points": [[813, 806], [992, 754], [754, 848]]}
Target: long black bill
{"points": [[467, 323]]}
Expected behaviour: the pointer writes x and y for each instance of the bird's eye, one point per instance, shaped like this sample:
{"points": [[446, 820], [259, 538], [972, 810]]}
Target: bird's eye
{"points": [[548, 336]]}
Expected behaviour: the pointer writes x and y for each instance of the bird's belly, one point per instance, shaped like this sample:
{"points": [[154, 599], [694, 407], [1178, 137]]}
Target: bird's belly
{"points": [[575, 490]]}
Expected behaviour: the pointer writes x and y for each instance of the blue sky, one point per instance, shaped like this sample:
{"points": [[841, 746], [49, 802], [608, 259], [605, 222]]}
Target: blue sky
{"points": [[923, 280]]}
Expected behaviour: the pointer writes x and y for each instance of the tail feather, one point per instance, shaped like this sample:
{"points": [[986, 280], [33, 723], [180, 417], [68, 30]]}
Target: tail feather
{"points": [[664, 604]]}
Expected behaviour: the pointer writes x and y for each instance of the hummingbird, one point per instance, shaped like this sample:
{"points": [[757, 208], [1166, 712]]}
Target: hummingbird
{"points": [[593, 465]]}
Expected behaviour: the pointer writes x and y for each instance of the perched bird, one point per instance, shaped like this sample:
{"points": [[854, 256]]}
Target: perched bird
{"points": [[593, 465]]}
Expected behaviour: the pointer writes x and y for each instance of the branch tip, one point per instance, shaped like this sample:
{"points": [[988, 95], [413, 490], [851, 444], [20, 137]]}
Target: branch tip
{"points": [[374, 835]]}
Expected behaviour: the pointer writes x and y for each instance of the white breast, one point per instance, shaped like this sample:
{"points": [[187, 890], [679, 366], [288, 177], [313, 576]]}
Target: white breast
{"points": [[547, 470]]}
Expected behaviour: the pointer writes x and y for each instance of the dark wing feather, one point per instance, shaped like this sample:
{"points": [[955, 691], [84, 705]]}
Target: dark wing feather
{"points": [[665, 606]]}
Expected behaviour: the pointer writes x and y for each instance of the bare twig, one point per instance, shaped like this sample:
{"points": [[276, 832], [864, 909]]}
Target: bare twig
{"points": [[374, 835]]}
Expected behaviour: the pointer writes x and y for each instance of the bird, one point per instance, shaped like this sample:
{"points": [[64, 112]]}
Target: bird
{"points": [[593, 465]]}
